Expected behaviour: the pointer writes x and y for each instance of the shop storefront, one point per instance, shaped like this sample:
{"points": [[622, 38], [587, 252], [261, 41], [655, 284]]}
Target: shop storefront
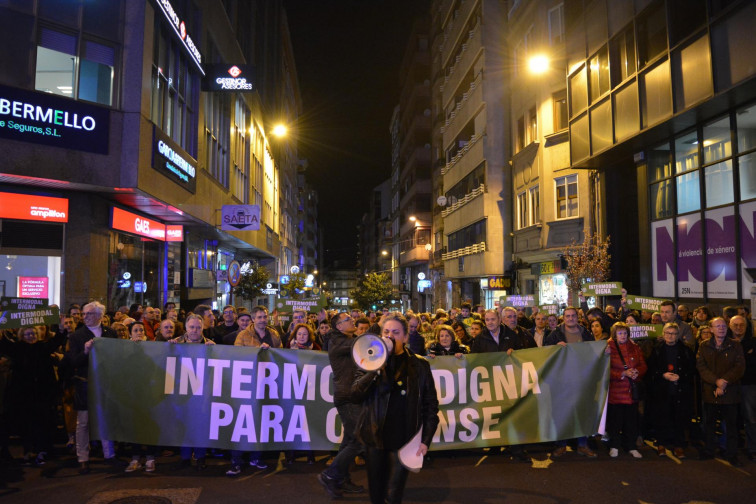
{"points": [[144, 264], [494, 288], [32, 229], [552, 283]]}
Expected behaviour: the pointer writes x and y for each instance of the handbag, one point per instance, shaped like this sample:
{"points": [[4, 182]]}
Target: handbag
{"points": [[635, 387]]}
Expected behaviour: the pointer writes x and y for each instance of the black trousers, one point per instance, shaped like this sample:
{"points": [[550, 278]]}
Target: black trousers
{"points": [[728, 416], [622, 425], [386, 476]]}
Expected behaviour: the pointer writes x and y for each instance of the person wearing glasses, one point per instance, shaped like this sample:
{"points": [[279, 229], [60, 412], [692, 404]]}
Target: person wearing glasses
{"points": [[80, 344], [229, 325], [335, 479], [671, 370]]}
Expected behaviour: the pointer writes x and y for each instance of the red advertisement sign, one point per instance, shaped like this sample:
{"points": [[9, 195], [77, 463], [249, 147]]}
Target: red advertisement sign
{"points": [[137, 224], [33, 207], [32, 287], [174, 233]]}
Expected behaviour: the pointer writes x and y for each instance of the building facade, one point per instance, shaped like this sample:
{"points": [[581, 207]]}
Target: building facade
{"points": [[412, 175], [662, 100], [551, 203], [120, 115], [470, 101]]}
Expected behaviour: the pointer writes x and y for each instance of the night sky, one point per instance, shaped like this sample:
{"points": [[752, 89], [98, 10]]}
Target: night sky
{"points": [[348, 54]]}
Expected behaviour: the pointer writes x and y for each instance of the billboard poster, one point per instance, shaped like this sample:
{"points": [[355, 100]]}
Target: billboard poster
{"points": [[689, 256], [721, 261], [747, 244], [663, 258]]}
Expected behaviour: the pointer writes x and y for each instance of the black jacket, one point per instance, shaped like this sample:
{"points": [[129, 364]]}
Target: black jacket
{"points": [[342, 365], [373, 389], [80, 362], [558, 335], [508, 339], [455, 348], [662, 391]]}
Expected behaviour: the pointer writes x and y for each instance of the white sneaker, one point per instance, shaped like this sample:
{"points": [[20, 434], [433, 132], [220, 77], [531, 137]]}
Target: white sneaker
{"points": [[149, 466], [635, 454], [613, 452], [133, 466]]}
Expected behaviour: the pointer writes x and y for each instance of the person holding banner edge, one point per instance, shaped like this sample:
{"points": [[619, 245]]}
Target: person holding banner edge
{"points": [[402, 389]]}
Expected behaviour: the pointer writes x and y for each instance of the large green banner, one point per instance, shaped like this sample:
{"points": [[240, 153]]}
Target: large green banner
{"points": [[250, 399]]}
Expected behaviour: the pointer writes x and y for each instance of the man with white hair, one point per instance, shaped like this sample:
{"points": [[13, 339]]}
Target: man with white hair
{"points": [[80, 344]]}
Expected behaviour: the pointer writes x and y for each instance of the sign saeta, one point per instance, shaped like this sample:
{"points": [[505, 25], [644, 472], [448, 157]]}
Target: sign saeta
{"points": [[240, 218]]}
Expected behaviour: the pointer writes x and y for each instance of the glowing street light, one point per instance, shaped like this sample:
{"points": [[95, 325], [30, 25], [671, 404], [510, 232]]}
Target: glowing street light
{"points": [[538, 64], [280, 130]]}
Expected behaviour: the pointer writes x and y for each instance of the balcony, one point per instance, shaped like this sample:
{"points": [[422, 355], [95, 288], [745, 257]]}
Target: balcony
{"points": [[463, 62], [466, 159], [466, 109], [414, 255], [453, 28], [476, 248], [463, 201]]}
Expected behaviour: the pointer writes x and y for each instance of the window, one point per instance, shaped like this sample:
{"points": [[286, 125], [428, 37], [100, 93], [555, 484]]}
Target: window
{"points": [[522, 210], [470, 235], [716, 144], [652, 33], [532, 126], [622, 56], [174, 90], [217, 132], [599, 74], [578, 92], [520, 140], [556, 24], [560, 110], [566, 196], [241, 153], [535, 205], [82, 71]]}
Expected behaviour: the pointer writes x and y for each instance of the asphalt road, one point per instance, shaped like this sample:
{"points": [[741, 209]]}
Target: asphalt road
{"points": [[477, 476]]}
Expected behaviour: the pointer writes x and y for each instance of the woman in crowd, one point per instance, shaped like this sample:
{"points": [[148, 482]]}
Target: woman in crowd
{"points": [[404, 391], [597, 330], [138, 334], [194, 336], [671, 369], [446, 343], [121, 330], [31, 391], [304, 338], [461, 334], [627, 368]]}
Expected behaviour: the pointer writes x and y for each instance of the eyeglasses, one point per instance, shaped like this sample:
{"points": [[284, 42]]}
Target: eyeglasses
{"points": [[345, 319], [225, 312]]}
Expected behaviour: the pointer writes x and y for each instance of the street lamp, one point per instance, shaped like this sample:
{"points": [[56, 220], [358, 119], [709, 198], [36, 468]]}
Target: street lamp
{"points": [[384, 252], [280, 130], [538, 64]]}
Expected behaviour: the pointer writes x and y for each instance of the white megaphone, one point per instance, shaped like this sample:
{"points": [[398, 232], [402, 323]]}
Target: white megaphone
{"points": [[370, 351]]}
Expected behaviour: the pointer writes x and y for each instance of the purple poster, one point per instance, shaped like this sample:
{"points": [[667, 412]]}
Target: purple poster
{"points": [[747, 243], [689, 256], [721, 262], [663, 258]]}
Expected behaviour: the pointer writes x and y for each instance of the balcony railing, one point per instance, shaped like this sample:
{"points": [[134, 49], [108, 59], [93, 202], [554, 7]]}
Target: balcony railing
{"points": [[463, 201], [469, 250], [453, 27], [461, 153], [465, 97], [462, 62]]}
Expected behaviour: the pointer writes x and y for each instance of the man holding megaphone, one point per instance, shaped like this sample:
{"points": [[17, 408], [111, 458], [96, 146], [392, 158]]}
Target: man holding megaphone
{"points": [[335, 479], [399, 403]]}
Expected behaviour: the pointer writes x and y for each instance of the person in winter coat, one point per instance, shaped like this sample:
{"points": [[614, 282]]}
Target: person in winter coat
{"points": [[397, 401], [671, 371], [446, 343], [32, 389], [721, 364], [627, 368]]}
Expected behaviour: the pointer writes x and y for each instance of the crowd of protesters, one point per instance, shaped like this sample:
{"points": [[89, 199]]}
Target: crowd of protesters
{"points": [[693, 386]]}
